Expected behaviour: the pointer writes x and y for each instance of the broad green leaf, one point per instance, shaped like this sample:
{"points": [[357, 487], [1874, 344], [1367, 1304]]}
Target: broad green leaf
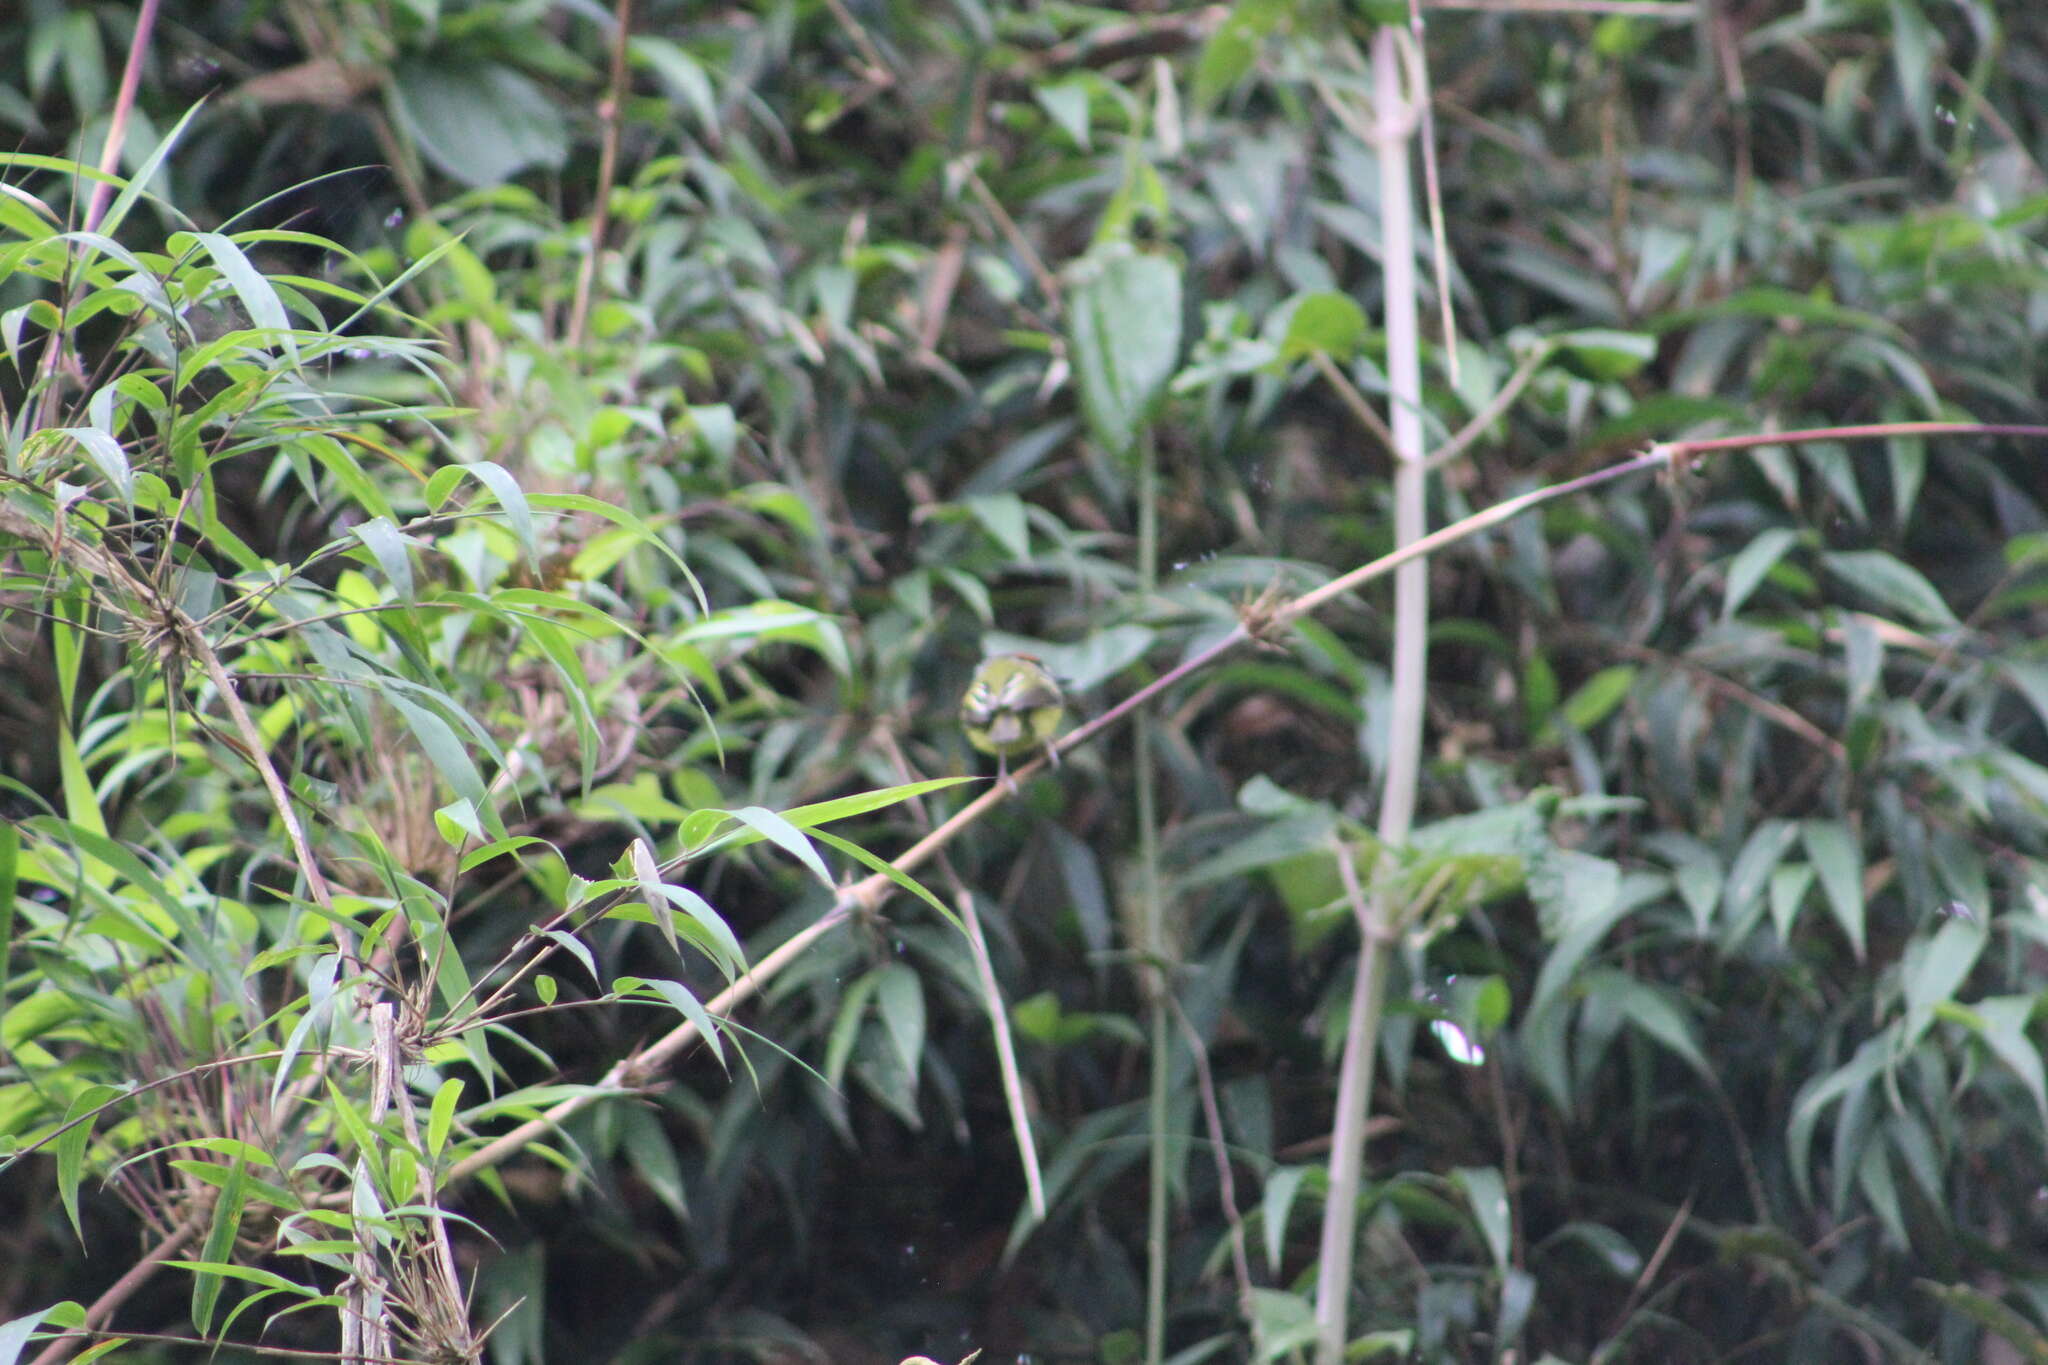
{"points": [[391, 552], [1325, 323], [1126, 341], [481, 123]]}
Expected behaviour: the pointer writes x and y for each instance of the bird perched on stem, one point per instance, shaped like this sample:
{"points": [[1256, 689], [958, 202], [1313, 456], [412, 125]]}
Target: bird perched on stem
{"points": [[1012, 707]]}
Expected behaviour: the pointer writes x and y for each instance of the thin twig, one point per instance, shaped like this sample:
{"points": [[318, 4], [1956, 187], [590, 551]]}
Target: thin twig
{"points": [[1226, 1183], [609, 115]]}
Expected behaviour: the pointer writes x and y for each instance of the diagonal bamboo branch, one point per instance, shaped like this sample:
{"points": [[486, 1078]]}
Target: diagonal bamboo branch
{"points": [[630, 1073]]}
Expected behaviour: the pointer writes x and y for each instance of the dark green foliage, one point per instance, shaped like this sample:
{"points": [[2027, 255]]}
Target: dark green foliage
{"points": [[561, 596]]}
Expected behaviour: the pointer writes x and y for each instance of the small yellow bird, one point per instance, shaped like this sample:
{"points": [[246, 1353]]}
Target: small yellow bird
{"points": [[1012, 706]]}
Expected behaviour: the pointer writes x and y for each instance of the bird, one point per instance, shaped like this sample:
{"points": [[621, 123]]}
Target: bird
{"points": [[1012, 706]]}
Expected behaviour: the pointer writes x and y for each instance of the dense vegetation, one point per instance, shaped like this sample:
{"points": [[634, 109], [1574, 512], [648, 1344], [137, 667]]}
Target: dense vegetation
{"points": [[499, 504]]}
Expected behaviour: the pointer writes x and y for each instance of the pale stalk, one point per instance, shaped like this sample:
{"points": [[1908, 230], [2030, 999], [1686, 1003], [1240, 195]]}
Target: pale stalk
{"points": [[1392, 123], [1152, 971]]}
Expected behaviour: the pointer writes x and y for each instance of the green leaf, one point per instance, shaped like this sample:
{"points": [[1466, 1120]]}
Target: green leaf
{"points": [[1066, 103], [1993, 1316], [481, 123], [79, 1117], [441, 1117], [680, 72], [1652, 1012], [686, 1004], [1789, 885], [17, 1333], [899, 998], [785, 836], [2004, 1021], [510, 497], [1933, 968], [220, 1244], [1003, 516], [1838, 860], [1126, 340], [1233, 49], [1599, 695], [1913, 43], [392, 554], [1326, 323], [1605, 354], [1275, 1203], [1750, 565], [1486, 1193], [1895, 586], [1761, 853]]}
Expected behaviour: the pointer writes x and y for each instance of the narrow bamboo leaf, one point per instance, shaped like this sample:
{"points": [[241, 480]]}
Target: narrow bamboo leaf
{"points": [[1487, 1195], [80, 1115], [251, 288], [1838, 861], [1003, 516], [441, 1117], [510, 497], [105, 455], [2005, 1020], [1751, 563], [1789, 885], [10, 861], [876, 863], [391, 552], [17, 1332], [1274, 1206], [1874, 1056], [692, 1009], [1897, 587], [846, 1026], [784, 836], [137, 185], [220, 1244], [1598, 696], [1933, 968], [899, 998], [648, 874], [438, 740], [1761, 853]]}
